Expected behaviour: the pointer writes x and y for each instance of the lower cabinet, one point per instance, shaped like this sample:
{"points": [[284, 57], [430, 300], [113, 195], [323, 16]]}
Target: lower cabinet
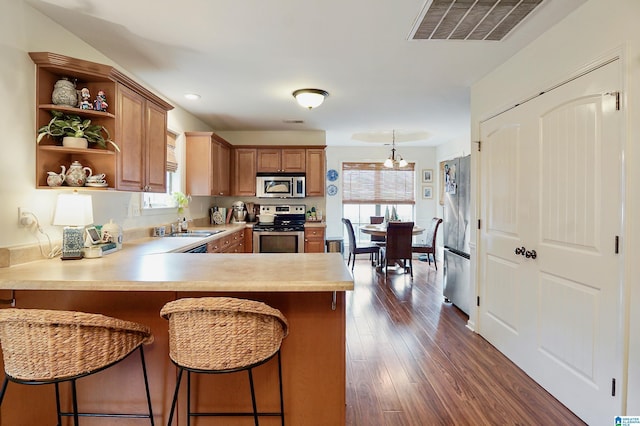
{"points": [[232, 243], [314, 240]]}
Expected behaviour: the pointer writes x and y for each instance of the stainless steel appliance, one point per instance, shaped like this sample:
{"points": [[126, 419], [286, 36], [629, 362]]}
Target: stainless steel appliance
{"points": [[456, 232], [239, 212], [281, 185], [285, 234]]}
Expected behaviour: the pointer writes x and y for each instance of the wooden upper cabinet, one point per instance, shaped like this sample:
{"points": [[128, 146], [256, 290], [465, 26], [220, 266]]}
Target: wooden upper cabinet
{"points": [[278, 160], [136, 119], [208, 159], [315, 172], [142, 136], [244, 172]]}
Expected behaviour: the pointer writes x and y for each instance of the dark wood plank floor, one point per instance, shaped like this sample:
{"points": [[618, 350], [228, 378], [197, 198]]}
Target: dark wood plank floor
{"points": [[412, 361]]}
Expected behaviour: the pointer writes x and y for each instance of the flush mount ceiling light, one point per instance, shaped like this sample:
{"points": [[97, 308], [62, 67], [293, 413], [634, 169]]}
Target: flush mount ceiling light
{"points": [[192, 96], [310, 98], [392, 162]]}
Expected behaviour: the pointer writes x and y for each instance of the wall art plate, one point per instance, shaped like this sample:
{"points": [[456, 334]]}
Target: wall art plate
{"points": [[332, 190], [332, 175]]}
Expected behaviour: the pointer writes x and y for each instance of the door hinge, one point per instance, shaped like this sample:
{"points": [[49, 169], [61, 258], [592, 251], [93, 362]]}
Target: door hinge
{"points": [[478, 223], [617, 95], [613, 387], [478, 301], [479, 143], [617, 245]]}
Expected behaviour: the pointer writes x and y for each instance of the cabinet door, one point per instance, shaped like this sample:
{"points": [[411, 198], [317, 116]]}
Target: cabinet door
{"points": [[268, 160], [314, 240], [130, 108], [293, 160], [156, 148], [198, 171], [315, 173], [220, 159], [244, 172]]}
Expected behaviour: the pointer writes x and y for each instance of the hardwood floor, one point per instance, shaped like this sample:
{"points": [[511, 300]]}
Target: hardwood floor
{"points": [[412, 361]]}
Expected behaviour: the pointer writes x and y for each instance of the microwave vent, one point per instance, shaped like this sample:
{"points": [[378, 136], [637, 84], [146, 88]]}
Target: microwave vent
{"points": [[490, 20]]}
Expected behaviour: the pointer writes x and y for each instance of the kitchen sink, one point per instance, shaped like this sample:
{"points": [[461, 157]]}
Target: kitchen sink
{"points": [[194, 234]]}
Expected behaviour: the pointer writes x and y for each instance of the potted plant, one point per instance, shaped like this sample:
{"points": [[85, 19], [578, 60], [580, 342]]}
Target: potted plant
{"points": [[73, 126]]}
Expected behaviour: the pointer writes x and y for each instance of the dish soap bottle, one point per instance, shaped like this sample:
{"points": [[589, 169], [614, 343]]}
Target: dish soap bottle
{"points": [[184, 224]]}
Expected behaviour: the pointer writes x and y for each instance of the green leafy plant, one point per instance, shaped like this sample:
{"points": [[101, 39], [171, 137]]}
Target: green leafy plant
{"points": [[62, 125], [181, 200]]}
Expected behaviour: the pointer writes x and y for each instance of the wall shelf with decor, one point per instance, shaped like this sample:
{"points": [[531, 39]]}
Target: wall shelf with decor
{"points": [[137, 167]]}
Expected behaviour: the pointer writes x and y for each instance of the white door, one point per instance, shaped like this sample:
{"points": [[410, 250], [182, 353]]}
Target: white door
{"points": [[551, 183]]}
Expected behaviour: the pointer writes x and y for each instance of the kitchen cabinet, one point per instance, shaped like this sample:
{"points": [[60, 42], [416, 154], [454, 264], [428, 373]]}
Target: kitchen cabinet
{"points": [[278, 160], [248, 240], [244, 172], [141, 134], [315, 174], [135, 119], [231, 243], [207, 166], [314, 239]]}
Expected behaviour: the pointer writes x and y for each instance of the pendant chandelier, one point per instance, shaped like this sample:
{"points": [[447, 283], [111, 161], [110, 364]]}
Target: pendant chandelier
{"points": [[392, 162]]}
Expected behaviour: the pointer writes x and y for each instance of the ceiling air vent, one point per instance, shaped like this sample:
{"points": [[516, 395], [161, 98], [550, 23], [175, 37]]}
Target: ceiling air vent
{"points": [[471, 19]]}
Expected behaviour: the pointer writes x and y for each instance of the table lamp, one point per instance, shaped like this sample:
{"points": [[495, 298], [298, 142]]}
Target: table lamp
{"points": [[73, 211]]}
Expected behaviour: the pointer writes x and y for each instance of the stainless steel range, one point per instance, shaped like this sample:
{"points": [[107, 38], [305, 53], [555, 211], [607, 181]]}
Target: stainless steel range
{"points": [[285, 234]]}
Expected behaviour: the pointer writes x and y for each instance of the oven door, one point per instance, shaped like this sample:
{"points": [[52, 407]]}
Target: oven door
{"points": [[278, 241]]}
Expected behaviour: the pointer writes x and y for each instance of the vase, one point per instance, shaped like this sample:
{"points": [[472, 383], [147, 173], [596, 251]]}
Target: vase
{"points": [[64, 93], [73, 142]]}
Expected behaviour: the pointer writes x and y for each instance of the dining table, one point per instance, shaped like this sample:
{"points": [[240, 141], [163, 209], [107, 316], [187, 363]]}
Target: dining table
{"points": [[380, 229]]}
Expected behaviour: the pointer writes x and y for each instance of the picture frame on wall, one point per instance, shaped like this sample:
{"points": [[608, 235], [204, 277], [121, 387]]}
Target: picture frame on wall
{"points": [[427, 192], [427, 175]]}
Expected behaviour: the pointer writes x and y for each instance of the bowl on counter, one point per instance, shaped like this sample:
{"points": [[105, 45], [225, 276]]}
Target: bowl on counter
{"points": [[266, 218]]}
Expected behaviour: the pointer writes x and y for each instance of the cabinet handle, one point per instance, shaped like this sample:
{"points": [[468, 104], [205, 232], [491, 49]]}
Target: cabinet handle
{"points": [[520, 250], [531, 254]]}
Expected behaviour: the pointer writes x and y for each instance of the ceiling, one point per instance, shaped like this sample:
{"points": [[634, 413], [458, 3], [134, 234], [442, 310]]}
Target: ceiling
{"points": [[245, 58]]}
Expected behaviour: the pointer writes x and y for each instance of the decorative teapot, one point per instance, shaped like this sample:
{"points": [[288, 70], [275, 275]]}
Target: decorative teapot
{"points": [[77, 174], [55, 179]]}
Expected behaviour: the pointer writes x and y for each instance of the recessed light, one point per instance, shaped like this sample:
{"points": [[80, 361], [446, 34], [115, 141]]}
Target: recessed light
{"points": [[292, 121], [192, 96]]}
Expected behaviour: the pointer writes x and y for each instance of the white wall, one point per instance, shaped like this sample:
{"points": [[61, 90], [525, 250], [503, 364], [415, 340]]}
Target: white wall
{"points": [[23, 29], [592, 32]]}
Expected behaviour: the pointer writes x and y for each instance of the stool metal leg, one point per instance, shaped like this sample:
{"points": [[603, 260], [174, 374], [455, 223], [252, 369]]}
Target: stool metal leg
{"points": [[146, 384], [74, 398], [280, 382], [188, 398], [57, 386], [175, 396], [4, 388], [253, 398]]}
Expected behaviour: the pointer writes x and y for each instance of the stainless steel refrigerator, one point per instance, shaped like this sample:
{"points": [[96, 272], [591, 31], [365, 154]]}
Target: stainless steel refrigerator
{"points": [[456, 232]]}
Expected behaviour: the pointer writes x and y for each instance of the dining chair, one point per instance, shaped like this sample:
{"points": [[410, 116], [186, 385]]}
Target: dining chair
{"points": [[373, 250], [398, 247], [378, 240], [429, 247]]}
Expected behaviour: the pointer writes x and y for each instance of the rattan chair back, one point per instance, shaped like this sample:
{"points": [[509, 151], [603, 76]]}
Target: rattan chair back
{"points": [[222, 333], [48, 345]]}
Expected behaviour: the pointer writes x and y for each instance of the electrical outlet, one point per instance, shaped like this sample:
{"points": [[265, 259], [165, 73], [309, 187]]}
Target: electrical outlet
{"points": [[25, 217]]}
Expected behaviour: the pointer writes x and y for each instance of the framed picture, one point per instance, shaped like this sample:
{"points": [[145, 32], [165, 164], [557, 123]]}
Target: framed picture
{"points": [[427, 192], [427, 175]]}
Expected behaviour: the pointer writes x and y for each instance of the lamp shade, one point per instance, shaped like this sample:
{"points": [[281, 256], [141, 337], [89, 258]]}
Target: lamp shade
{"points": [[73, 210], [310, 98]]}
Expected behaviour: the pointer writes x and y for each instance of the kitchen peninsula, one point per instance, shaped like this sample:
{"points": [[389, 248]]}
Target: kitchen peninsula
{"points": [[135, 283]]}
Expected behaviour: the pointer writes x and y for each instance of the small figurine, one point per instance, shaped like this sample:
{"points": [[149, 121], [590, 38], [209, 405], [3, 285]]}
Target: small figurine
{"points": [[100, 103], [85, 95]]}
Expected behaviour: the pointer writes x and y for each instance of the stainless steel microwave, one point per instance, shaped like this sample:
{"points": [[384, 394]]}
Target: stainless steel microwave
{"points": [[281, 185]]}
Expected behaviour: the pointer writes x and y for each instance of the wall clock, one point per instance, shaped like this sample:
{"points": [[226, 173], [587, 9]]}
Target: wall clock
{"points": [[332, 175], [332, 190]]}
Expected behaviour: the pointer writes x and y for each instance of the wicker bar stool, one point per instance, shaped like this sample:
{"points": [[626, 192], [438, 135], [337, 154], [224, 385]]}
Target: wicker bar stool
{"points": [[218, 335], [48, 346]]}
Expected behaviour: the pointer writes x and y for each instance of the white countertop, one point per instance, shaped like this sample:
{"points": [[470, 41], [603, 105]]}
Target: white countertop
{"points": [[155, 264]]}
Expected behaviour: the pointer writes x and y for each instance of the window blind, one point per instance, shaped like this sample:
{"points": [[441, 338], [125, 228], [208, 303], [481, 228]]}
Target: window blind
{"points": [[172, 161], [372, 183]]}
